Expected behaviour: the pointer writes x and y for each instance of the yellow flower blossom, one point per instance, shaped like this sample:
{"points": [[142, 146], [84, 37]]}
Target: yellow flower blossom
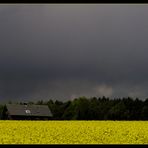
{"points": [[73, 132]]}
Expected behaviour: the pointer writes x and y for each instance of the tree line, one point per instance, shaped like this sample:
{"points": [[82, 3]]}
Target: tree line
{"points": [[102, 108]]}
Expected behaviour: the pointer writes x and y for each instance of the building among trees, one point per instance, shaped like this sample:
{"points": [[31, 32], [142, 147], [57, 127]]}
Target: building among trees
{"points": [[26, 112]]}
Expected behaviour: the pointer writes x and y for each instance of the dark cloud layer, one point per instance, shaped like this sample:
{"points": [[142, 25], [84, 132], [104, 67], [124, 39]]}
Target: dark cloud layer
{"points": [[64, 51]]}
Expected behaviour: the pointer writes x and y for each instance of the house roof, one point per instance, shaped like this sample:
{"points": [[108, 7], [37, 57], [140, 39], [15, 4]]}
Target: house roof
{"points": [[28, 110]]}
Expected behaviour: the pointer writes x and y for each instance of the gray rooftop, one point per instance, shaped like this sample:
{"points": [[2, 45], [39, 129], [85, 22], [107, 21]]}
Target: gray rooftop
{"points": [[28, 110]]}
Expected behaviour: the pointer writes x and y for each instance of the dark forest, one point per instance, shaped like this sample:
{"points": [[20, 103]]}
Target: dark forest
{"points": [[102, 108]]}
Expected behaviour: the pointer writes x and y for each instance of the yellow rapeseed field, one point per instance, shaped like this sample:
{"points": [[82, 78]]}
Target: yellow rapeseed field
{"points": [[73, 132]]}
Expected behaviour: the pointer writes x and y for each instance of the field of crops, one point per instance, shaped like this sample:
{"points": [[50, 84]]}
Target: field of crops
{"points": [[73, 132]]}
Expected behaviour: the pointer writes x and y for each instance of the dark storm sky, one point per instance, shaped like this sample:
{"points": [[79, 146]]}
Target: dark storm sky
{"points": [[63, 51]]}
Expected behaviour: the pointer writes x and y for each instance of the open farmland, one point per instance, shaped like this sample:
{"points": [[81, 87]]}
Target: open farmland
{"points": [[73, 132]]}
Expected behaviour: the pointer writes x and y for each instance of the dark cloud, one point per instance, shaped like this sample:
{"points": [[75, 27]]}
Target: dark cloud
{"points": [[66, 51]]}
